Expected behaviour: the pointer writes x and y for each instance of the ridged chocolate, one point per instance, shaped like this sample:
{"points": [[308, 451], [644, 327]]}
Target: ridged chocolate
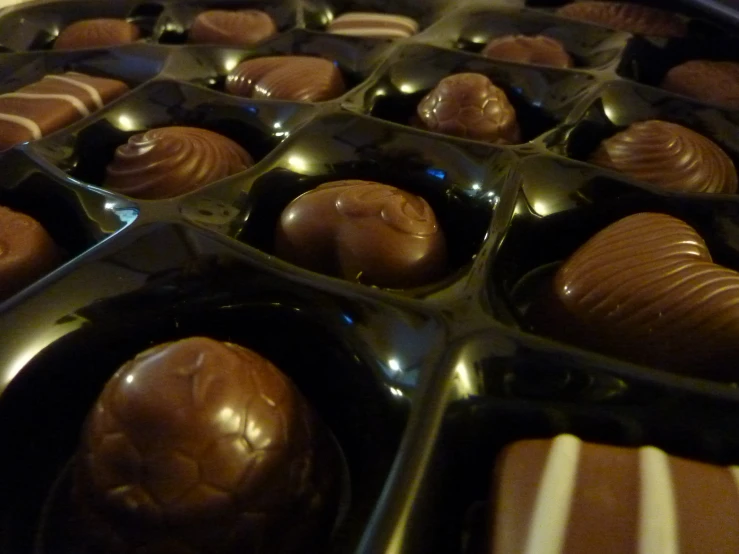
{"points": [[170, 161], [373, 25], [539, 50], [705, 80], [300, 78], [646, 289], [97, 33], [202, 447], [469, 105], [670, 156], [232, 28], [625, 16], [363, 231]]}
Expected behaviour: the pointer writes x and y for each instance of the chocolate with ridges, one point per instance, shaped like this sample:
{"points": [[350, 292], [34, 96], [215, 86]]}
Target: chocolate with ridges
{"points": [[539, 50], [373, 25], [232, 28], [625, 16], [97, 33], [709, 81]]}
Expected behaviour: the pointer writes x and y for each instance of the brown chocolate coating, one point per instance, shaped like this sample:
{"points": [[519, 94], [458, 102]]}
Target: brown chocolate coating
{"points": [[233, 28], [373, 25], [625, 16], [97, 33], [363, 231], [646, 289], [199, 446], [170, 161], [670, 156], [468, 105], [27, 252], [705, 80], [539, 50], [301, 78]]}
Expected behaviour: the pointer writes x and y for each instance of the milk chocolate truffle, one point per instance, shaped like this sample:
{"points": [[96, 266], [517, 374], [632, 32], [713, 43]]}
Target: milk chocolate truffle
{"points": [[646, 289], [625, 16], [539, 50], [170, 161], [363, 231], [670, 156], [27, 251], [97, 33], [705, 80], [468, 105], [232, 28], [54, 102], [568, 496], [373, 25], [300, 78], [199, 446]]}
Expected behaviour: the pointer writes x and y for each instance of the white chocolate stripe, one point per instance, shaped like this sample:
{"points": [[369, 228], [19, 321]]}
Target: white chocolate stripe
{"points": [[548, 525], [24, 122], [92, 91], [371, 31], [658, 532], [76, 102]]}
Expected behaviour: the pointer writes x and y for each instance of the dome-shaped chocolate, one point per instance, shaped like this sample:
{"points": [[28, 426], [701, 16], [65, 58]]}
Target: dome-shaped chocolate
{"points": [[232, 28], [539, 50], [709, 81], [625, 16]]}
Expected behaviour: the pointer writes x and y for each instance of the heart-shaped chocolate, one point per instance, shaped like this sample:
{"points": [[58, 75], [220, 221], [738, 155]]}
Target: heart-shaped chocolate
{"points": [[646, 289]]}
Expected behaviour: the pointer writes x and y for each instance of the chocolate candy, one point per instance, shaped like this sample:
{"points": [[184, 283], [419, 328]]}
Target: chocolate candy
{"points": [[469, 105], [170, 161], [52, 103], [363, 231], [233, 28], [705, 80], [670, 156], [301, 78], [539, 50], [373, 25], [624, 16], [569, 496], [27, 251], [199, 446], [97, 33]]}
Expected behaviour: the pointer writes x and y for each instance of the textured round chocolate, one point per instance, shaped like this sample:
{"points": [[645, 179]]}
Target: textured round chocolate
{"points": [[363, 231], [539, 50], [170, 161], [234, 28], [469, 105], [97, 33], [27, 251], [705, 80], [199, 446], [625, 16], [669, 156], [301, 78]]}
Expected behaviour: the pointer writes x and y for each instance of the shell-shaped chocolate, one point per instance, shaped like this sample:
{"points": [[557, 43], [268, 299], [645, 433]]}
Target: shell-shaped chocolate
{"points": [[170, 161], [234, 28], [706, 80], [363, 231], [670, 156], [646, 289], [299, 78], [625, 16], [97, 33], [469, 105], [538, 50]]}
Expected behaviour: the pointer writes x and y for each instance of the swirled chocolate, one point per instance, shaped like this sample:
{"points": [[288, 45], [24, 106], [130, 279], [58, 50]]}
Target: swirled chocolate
{"points": [[97, 33], [646, 289], [670, 156], [469, 105], [170, 161], [625, 16], [363, 231], [538, 50], [198, 447], [301, 78], [705, 80], [373, 25], [232, 28]]}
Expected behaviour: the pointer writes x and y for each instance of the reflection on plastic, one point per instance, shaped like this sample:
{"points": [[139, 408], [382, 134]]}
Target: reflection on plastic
{"points": [[464, 379]]}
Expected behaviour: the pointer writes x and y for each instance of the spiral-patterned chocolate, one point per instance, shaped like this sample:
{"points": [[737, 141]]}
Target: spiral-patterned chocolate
{"points": [[232, 28], [669, 156], [538, 50], [363, 231], [706, 80], [469, 105], [625, 16], [170, 161]]}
